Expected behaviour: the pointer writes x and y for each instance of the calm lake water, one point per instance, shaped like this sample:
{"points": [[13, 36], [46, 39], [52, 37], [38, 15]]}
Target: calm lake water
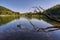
{"points": [[8, 27]]}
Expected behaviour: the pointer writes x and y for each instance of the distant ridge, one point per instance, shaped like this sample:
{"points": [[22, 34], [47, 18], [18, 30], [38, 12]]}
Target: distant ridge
{"points": [[6, 11], [55, 10], [53, 13]]}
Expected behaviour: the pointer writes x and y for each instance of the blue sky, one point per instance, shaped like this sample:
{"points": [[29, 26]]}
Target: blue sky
{"points": [[26, 5]]}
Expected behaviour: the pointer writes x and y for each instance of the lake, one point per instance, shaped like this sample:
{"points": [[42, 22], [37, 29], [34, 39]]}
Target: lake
{"points": [[22, 28]]}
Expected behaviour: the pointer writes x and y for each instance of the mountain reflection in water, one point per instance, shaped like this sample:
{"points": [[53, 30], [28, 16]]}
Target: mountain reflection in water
{"points": [[10, 31]]}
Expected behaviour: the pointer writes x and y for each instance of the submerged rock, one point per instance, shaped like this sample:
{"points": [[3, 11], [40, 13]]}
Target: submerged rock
{"points": [[24, 35]]}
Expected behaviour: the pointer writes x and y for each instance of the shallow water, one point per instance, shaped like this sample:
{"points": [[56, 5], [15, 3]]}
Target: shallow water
{"points": [[10, 28]]}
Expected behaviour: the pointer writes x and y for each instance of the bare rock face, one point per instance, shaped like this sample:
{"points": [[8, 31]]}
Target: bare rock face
{"points": [[24, 35]]}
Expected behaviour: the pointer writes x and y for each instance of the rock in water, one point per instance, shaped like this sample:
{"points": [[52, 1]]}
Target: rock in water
{"points": [[24, 35]]}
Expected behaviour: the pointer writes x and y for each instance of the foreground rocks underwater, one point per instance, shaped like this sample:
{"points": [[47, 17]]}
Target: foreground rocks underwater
{"points": [[24, 34], [10, 31]]}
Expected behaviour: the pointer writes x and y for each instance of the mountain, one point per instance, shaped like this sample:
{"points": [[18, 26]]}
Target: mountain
{"points": [[6, 11], [54, 11]]}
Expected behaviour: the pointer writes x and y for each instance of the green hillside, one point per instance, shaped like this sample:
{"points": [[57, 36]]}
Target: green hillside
{"points": [[54, 11], [6, 11]]}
